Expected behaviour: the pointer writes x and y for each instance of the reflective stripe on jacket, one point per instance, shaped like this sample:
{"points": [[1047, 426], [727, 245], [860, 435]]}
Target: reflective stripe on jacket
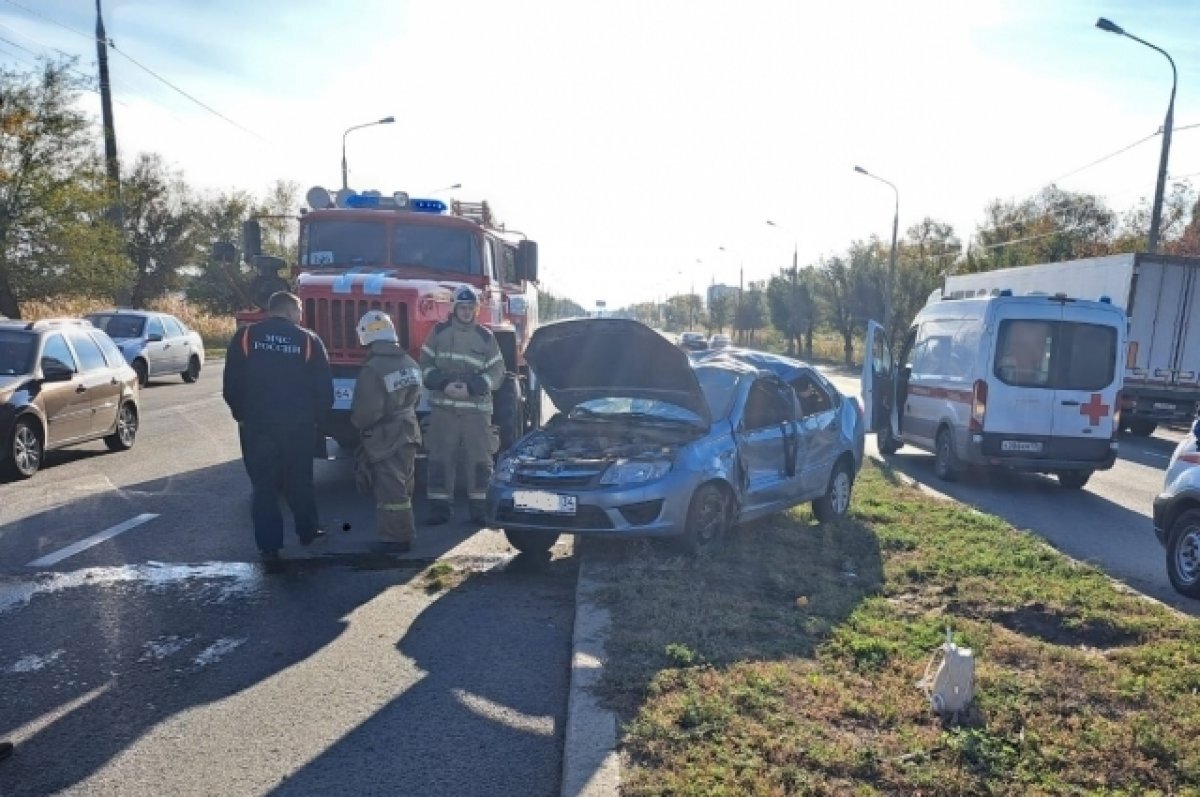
{"points": [[467, 353]]}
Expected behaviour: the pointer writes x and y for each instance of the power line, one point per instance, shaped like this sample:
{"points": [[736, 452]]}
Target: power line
{"points": [[141, 66]]}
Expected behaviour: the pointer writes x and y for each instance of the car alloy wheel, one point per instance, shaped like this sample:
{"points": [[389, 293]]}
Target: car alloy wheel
{"points": [[708, 519], [26, 450], [123, 436]]}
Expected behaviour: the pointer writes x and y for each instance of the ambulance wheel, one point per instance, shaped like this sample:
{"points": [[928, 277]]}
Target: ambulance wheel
{"points": [[945, 462], [507, 412], [1073, 479], [1142, 427]]}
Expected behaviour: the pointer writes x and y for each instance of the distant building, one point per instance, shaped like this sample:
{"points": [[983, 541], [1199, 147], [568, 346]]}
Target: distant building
{"points": [[718, 290]]}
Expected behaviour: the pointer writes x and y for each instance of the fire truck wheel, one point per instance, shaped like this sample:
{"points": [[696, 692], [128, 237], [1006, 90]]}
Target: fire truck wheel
{"points": [[507, 412]]}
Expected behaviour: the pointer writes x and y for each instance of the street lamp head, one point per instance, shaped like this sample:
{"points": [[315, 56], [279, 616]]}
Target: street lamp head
{"points": [[1110, 26], [387, 120], [773, 224], [861, 170]]}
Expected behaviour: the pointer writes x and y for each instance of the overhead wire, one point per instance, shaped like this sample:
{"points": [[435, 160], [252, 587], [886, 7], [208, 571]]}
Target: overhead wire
{"points": [[141, 66]]}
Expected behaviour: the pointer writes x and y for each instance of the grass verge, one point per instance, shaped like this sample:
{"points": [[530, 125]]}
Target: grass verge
{"points": [[787, 663]]}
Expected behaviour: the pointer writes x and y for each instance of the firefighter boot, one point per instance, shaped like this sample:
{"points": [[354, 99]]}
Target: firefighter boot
{"points": [[439, 513], [478, 512]]}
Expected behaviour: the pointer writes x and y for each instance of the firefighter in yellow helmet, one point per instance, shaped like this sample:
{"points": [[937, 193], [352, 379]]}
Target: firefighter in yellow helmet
{"points": [[461, 364], [384, 410]]}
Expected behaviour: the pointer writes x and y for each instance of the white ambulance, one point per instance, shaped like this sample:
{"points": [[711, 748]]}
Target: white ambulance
{"points": [[1029, 383]]}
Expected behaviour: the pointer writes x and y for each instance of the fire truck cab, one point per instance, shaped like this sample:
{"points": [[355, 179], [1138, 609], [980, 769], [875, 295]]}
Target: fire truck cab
{"points": [[406, 256]]}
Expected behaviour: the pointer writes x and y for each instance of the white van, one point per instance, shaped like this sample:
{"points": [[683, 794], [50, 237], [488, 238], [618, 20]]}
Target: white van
{"points": [[1030, 383]]}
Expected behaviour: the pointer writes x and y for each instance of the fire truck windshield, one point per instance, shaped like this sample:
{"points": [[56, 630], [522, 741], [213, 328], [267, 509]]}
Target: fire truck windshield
{"points": [[364, 243]]}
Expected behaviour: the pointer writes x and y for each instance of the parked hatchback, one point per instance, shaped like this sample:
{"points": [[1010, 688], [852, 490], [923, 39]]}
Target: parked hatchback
{"points": [[651, 442], [1177, 516], [62, 382], [154, 344]]}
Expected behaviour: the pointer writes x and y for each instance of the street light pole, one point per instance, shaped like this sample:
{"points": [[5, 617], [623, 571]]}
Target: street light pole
{"points": [[794, 282], [891, 280], [1168, 126], [387, 120]]}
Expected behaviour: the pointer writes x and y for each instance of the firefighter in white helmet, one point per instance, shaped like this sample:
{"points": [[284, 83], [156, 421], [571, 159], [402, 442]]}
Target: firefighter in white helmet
{"points": [[384, 410], [461, 364]]}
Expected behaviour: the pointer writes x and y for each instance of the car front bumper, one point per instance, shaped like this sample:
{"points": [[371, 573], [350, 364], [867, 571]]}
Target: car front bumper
{"points": [[655, 509]]}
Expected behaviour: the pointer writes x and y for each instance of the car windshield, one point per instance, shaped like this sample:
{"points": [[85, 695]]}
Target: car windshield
{"points": [[16, 352], [119, 326]]}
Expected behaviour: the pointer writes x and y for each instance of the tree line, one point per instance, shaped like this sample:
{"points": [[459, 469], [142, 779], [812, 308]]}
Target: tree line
{"points": [[839, 293], [64, 233]]}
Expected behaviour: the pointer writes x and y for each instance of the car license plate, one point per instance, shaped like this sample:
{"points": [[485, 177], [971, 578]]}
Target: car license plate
{"points": [[343, 393], [540, 501], [1031, 446]]}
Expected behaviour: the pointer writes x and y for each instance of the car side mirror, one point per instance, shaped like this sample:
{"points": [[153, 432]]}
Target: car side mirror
{"points": [[527, 260], [56, 371], [154, 338]]}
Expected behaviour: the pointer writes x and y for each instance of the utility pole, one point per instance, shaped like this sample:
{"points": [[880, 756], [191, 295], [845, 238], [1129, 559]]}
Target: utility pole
{"points": [[110, 132]]}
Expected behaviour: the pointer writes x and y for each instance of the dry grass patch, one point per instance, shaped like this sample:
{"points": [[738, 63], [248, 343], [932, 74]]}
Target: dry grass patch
{"points": [[787, 663], [215, 330]]}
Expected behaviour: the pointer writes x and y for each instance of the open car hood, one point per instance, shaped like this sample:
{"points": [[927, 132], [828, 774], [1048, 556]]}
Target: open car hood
{"points": [[592, 358]]}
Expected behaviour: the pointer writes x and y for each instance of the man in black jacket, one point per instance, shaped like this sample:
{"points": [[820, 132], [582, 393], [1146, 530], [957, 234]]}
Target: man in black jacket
{"points": [[279, 388]]}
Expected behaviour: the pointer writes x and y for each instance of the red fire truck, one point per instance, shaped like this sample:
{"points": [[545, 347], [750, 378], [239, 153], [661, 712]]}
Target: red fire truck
{"points": [[405, 256]]}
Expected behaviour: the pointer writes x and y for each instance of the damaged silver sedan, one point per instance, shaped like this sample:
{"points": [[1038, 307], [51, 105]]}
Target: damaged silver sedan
{"points": [[651, 443]]}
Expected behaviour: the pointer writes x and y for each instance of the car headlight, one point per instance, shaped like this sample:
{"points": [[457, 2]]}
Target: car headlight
{"points": [[505, 469], [631, 471]]}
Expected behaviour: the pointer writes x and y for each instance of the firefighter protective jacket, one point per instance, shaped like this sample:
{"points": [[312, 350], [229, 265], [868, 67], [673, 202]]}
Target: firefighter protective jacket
{"points": [[385, 400], [469, 353], [277, 373]]}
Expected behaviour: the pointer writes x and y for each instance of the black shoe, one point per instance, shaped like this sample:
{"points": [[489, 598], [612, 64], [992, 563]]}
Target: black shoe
{"points": [[6, 750], [272, 562], [439, 513], [392, 547]]}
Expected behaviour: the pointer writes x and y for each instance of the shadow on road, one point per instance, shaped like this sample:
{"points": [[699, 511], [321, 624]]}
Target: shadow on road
{"points": [[93, 659], [500, 686]]}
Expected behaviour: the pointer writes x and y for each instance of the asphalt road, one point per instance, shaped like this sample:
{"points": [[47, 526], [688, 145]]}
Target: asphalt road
{"points": [[161, 660], [1107, 524]]}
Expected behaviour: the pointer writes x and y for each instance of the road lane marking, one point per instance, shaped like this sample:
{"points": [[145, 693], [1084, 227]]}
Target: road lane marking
{"points": [[54, 558]]}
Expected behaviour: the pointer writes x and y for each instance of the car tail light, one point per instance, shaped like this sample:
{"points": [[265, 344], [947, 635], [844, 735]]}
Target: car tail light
{"points": [[1117, 414], [978, 405]]}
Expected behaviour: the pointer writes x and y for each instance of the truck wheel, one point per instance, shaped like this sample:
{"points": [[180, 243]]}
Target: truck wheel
{"points": [[945, 462], [1183, 554], [1142, 427], [508, 412], [1073, 479]]}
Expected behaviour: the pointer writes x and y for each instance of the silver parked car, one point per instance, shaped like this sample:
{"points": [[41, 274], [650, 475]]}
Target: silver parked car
{"points": [[154, 344], [649, 442], [1177, 516]]}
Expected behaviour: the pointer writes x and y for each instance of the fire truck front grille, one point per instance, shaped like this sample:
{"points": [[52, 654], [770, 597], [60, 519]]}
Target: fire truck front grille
{"points": [[336, 320]]}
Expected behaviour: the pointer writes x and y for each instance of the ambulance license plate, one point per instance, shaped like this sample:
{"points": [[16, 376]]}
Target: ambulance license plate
{"points": [[541, 501], [1028, 446]]}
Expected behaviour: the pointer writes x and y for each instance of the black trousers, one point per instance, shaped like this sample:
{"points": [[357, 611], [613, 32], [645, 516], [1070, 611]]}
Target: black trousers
{"points": [[278, 458]]}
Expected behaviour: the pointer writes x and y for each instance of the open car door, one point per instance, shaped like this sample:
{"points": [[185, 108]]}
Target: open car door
{"points": [[878, 382]]}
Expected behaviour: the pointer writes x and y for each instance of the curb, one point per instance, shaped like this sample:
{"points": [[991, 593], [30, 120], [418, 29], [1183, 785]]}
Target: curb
{"points": [[591, 766]]}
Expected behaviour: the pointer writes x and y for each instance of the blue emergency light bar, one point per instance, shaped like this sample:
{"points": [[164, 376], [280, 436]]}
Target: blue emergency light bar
{"points": [[427, 205], [374, 201]]}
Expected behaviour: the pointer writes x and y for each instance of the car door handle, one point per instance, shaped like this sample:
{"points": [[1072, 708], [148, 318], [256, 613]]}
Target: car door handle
{"points": [[1070, 403]]}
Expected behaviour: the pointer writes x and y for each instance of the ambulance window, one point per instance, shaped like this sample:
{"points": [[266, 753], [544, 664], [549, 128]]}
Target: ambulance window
{"points": [[1086, 356], [1023, 352]]}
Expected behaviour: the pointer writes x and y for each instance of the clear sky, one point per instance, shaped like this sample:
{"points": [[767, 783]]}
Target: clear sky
{"points": [[633, 140]]}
